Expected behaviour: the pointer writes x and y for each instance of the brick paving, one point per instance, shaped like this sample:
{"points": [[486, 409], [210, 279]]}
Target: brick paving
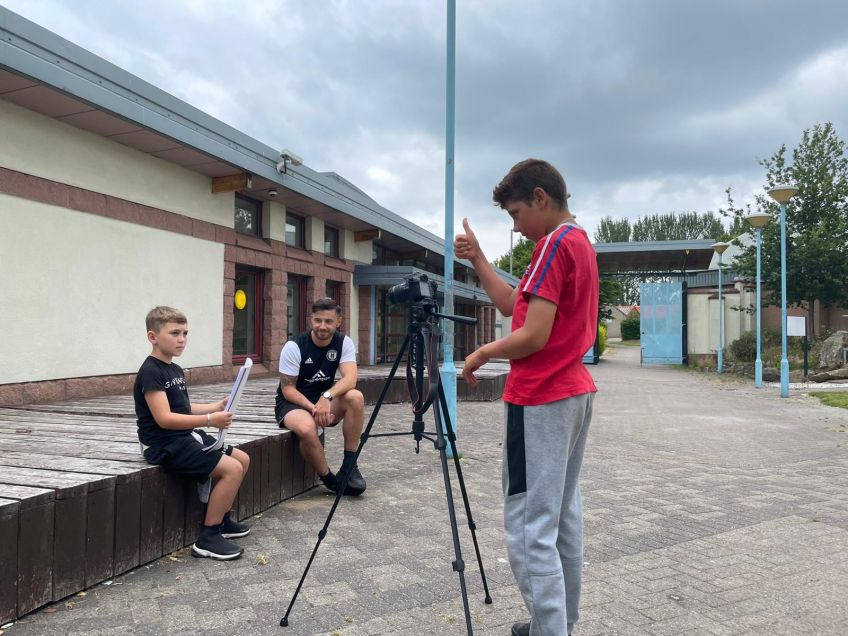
{"points": [[711, 508]]}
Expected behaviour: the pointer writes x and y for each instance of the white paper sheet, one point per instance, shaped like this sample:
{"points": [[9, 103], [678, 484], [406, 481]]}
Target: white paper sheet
{"points": [[232, 403]]}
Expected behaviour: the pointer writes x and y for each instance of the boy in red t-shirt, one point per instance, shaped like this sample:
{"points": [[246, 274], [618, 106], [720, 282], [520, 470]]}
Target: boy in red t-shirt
{"points": [[549, 393]]}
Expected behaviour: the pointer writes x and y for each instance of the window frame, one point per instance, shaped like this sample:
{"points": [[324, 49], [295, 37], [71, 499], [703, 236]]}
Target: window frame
{"points": [[299, 221], [259, 211], [259, 315], [338, 248]]}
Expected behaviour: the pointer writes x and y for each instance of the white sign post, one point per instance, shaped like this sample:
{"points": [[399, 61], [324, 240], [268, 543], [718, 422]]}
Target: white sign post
{"points": [[797, 326]]}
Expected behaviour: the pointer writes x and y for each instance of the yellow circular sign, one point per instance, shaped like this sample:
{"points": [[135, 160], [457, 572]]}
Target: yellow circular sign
{"points": [[240, 299]]}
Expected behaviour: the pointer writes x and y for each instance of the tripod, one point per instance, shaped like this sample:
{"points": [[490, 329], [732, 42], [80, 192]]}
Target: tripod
{"points": [[422, 335]]}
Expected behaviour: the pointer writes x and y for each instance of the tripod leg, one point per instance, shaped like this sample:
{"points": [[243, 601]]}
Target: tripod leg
{"points": [[458, 564], [284, 621], [471, 525]]}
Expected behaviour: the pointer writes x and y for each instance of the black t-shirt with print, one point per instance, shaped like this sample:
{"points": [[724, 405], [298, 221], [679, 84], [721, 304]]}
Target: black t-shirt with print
{"points": [[155, 375]]}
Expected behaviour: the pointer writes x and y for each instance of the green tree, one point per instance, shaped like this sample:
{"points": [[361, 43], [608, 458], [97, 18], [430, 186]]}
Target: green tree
{"points": [[522, 251], [679, 226], [612, 230], [816, 223], [608, 294]]}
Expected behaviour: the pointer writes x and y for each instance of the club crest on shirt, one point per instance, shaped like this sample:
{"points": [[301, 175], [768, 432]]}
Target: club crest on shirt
{"points": [[332, 354]]}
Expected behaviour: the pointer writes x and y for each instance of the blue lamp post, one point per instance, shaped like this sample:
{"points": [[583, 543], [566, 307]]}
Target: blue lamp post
{"points": [[782, 194], [719, 249], [758, 220]]}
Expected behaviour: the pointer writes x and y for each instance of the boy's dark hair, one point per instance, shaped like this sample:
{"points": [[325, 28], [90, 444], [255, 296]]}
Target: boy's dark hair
{"points": [[158, 317], [326, 303], [523, 177]]}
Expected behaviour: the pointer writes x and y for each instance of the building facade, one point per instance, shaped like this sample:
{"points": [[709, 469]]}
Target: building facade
{"points": [[116, 197]]}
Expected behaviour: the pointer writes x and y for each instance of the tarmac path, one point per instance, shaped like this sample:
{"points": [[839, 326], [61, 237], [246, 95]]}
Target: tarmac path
{"points": [[711, 508]]}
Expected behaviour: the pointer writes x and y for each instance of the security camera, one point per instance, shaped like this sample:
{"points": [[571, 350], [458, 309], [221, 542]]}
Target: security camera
{"points": [[272, 193], [293, 159]]}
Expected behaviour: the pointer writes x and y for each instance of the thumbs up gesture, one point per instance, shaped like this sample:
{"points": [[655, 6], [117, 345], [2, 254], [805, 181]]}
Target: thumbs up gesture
{"points": [[466, 245]]}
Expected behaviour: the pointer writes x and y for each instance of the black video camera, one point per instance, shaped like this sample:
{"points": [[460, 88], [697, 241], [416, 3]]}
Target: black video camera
{"points": [[413, 289]]}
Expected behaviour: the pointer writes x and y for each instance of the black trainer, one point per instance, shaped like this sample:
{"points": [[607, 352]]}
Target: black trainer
{"points": [[330, 481], [355, 483], [520, 629], [214, 546], [231, 529]]}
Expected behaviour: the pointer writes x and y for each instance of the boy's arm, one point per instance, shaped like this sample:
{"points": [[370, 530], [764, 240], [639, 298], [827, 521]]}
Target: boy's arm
{"points": [[524, 341], [211, 407], [502, 295], [157, 402]]}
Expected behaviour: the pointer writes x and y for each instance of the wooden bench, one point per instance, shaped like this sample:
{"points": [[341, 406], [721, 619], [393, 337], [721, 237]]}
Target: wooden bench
{"points": [[79, 505]]}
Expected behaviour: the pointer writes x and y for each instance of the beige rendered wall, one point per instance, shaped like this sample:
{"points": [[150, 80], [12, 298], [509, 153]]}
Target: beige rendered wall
{"points": [[352, 329], [44, 147], [76, 288], [702, 311]]}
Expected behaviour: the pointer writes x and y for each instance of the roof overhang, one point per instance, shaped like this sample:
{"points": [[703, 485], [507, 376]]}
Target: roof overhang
{"points": [[47, 74]]}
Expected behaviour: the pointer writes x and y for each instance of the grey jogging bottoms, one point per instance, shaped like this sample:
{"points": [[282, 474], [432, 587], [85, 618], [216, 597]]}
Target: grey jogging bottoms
{"points": [[543, 515]]}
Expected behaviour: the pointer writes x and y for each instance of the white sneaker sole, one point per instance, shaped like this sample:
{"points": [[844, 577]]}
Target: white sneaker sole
{"points": [[235, 535], [200, 552]]}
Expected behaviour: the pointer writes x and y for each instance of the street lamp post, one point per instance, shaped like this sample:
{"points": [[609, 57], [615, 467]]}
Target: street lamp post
{"points": [[719, 249], [758, 221], [782, 194]]}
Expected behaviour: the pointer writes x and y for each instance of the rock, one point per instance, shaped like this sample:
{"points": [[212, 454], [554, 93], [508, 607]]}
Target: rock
{"points": [[826, 376], [831, 353], [770, 374]]}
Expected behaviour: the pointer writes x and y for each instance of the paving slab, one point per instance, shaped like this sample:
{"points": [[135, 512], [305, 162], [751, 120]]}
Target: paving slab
{"points": [[711, 507]]}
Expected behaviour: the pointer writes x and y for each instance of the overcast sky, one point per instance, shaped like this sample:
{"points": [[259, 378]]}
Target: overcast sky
{"points": [[645, 106]]}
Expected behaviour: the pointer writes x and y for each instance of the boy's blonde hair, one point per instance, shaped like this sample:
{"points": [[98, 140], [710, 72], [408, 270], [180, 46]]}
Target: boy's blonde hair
{"points": [[158, 317]]}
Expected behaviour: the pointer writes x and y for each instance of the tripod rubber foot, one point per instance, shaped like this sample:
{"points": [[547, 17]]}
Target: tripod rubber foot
{"points": [[284, 622], [488, 600]]}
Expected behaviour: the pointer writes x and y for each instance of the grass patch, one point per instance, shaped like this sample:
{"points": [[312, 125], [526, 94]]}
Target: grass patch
{"points": [[833, 398]]}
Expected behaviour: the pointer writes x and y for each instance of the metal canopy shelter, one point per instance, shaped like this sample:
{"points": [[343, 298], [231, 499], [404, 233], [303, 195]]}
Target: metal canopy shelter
{"points": [[654, 256]]}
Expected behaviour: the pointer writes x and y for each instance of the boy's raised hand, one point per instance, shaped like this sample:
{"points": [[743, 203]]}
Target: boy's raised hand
{"points": [[466, 245]]}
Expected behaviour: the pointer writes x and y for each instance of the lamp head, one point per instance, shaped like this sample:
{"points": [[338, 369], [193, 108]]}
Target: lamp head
{"points": [[758, 220], [783, 192], [719, 247]]}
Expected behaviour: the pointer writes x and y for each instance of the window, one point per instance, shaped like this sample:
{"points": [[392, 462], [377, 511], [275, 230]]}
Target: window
{"points": [[295, 231], [331, 241], [295, 306], [335, 290], [247, 315], [248, 216]]}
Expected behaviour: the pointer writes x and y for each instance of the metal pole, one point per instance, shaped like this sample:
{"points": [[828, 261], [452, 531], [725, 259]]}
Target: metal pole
{"points": [[784, 361], [448, 371], [758, 365], [720, 322]]}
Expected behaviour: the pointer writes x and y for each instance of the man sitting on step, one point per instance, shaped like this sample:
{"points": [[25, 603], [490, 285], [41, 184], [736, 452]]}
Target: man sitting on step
{"points": [[308, 397]]}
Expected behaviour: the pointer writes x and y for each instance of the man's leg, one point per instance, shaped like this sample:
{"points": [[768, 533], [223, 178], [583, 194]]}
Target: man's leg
{"points": [[301, 423], [350, 408]]}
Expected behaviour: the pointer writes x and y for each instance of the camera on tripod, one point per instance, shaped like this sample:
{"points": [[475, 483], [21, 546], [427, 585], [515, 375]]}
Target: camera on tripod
{"points": [[413, 289]]}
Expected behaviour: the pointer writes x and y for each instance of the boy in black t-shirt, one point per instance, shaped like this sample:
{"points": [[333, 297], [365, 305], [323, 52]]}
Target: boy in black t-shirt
{"points": [[166, 422]]}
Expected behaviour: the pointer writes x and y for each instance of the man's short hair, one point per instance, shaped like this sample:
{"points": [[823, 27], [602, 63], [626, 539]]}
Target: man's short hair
{"points": [[326, 304], [524, 177], [158, 317]]}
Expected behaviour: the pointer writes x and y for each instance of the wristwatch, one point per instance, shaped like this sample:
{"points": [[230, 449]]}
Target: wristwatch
{"points": [[327, 395]]}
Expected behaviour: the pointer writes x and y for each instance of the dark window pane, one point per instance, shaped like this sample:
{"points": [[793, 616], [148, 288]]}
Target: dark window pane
{"points": [[294, 307], [294, 230], [248, 216], [331, 241], [334, 290]]}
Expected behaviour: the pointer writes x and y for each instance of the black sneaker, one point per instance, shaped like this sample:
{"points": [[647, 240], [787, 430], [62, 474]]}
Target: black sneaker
{"points": [[355, 483], [215, 546], [330, 481], [231, 529], [520, 629]]}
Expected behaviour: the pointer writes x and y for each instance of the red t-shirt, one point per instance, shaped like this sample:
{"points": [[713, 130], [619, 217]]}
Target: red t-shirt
{"points": [[563, 270]]}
